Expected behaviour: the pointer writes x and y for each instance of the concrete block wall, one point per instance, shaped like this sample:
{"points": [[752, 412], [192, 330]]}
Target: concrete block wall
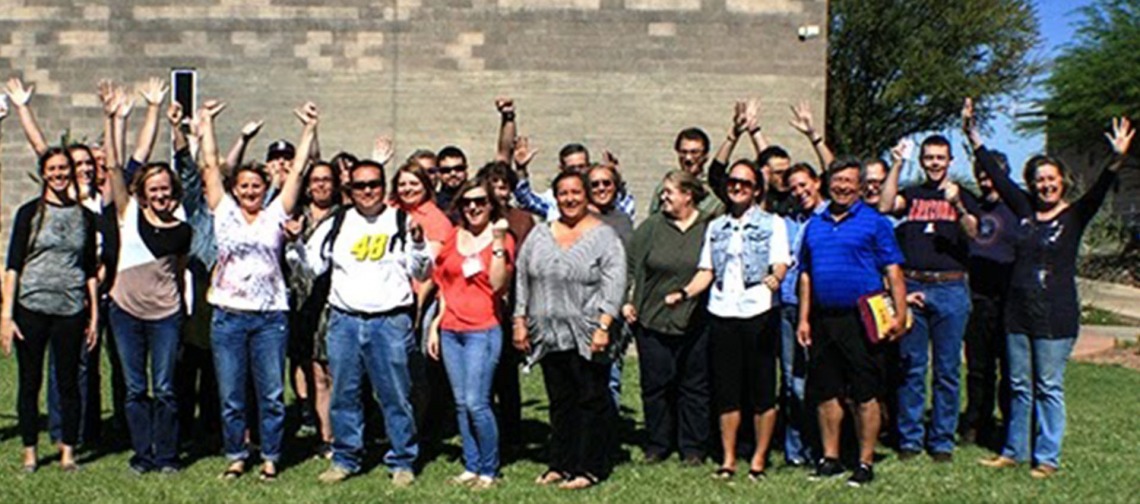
{"points": [[623, 75]]}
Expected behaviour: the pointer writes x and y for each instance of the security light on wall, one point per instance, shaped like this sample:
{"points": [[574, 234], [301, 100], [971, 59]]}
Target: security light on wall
{"points": [[809, 32]]}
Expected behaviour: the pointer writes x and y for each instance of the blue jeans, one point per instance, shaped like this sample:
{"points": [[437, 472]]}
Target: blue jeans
{"points": [[153, 422], [245, 343], [378, 347], [1037, 380], [793, 377], [470, 359], [938, 331]]}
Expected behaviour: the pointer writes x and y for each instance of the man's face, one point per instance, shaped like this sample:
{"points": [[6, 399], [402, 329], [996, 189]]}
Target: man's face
{"points": [[692, 155], [935, 161], [873, 184], [843, 187], [502, 191], [577, 162], [452, 172], [367, 188], [985, 183], [774, 170]]}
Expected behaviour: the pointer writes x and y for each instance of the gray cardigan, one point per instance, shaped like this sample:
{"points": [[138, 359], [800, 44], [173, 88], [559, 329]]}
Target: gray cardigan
{"points": [[563, 292]]}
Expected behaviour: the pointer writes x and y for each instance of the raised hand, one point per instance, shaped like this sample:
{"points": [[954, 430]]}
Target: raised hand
{"points": [[969, 121], [752, 114], [251, 129], [210, 109], [609, 157], [523, 153], [802, 119], [739, 118], [153, 91], [383, 149], [19, 94], [1121, 136], [308, 114], [174, 114], [106, 92], [900, 151], [123, 103], [505, 105]]}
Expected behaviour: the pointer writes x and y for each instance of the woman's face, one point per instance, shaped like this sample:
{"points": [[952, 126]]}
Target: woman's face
{"points": [[1049, 184], [603, 188], [673, 199], [741, 186], [249, 189], [571, 197], [158, 192], [84, 166], [57, 173], [321, 185], [409, 189], [476, 207]]}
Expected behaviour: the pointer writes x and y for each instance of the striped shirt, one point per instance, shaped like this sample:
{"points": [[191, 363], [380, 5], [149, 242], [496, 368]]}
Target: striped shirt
{"points": [[563, 292], [845, 259]]}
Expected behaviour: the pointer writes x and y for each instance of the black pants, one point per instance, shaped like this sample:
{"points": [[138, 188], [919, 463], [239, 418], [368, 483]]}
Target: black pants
{"points": [[506, 391], [196, 389], [580, 413], [744, 362], [675, 390], [65, 335], [118, 382], [985, 355]]}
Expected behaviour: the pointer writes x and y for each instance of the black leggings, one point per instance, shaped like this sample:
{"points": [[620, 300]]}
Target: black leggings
{"points": [[65, 335], [744, 362]]}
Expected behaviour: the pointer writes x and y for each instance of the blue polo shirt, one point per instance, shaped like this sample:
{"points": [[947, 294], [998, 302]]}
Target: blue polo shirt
{"points": [[846, 258]]}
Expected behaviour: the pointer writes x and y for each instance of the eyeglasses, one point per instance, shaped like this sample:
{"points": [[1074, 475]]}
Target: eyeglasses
{"points": [[321, 180], [444, 170], [366, 184], [745, 183], [596, 184], [477, 201]]}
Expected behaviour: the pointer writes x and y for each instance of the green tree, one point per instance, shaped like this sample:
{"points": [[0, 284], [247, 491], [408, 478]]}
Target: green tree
{"points": [[899, 67], [1095, 78]]}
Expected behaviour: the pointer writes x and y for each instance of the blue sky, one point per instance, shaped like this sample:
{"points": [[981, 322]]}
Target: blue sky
{"points": [[1056, 20]]}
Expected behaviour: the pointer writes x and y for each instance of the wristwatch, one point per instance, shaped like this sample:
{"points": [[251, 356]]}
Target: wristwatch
{"points": [[499, 253]]}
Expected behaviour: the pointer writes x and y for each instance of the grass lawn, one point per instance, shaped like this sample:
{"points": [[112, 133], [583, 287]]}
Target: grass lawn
{"points": [[1100, 465]]}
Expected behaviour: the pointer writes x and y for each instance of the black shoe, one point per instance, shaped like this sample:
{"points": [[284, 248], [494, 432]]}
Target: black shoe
{"points": [[827, 468], [654, 458], [693, 461], [942, 457], [969, 436], [863, 475], [905, 455]]}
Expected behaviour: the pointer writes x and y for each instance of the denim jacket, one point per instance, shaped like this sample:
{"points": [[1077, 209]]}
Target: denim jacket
{"points": [[756, 228]]}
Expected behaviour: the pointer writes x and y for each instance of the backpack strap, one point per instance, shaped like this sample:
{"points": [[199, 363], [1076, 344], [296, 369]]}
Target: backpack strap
{"points": [[401, 231], [330, 239]]}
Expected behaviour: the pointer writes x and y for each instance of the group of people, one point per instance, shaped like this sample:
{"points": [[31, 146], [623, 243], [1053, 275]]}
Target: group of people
{"points": [[748, 291]]}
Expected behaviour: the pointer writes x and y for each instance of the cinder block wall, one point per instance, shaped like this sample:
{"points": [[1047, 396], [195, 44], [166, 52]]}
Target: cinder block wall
{"points": [[623, 75]]}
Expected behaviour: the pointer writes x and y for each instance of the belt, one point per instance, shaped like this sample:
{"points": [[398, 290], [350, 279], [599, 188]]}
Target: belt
{"points": [[934, 276], [371, 315]]}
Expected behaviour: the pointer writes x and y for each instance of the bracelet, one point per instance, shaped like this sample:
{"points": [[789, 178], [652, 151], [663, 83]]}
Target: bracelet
{"points": [[817, 140], [684, 294], [754, 131], [508, 116]]}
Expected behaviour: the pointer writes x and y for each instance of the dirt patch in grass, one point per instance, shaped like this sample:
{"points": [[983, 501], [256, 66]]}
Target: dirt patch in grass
{"points": [[1123, 356]]}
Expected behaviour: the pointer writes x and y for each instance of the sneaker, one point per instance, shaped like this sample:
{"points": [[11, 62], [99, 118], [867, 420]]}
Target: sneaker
{"points": [[942, 457], [334, 474], [169, 470], [998, 462], [827, 468], [905, 455], [484, 483], [1043, 471], [464, 479], [403, 478], [863, 475]]}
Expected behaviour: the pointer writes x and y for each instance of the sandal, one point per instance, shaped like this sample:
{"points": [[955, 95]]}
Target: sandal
{"points": [[724, 474], [579, 482], [550, 477], [267, 476], [233, 472], [757, 476]]}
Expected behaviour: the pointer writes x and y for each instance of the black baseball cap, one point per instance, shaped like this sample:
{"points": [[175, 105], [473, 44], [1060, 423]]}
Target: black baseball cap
{"points": [[280, 149]]}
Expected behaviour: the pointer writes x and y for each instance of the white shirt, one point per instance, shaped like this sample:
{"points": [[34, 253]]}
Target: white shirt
{"points": [[368, 274], [248, 274], [731, 299]]}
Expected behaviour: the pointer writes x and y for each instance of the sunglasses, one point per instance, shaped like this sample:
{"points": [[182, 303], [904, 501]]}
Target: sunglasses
{"points": [[596, 184], [444, 170], [748, 184], [477, 201], [366, 184]]}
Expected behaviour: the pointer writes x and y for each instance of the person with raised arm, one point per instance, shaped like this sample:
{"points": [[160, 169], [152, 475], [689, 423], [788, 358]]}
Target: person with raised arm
{"points": [[248, 292], [743, 259], [146, 311], [1042, 316]]}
